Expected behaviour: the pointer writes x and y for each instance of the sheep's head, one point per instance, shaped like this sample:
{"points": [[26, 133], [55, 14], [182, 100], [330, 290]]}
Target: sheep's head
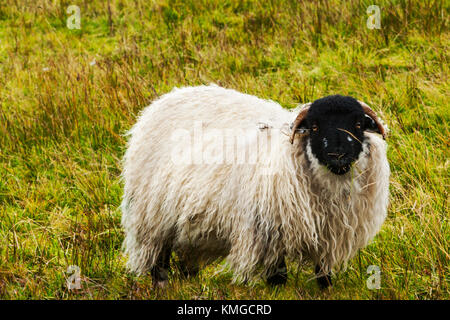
{"points": [[336, 126]]}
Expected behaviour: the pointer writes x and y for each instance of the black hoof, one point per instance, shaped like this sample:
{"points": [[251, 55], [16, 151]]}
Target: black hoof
{"points": [[280, 276], [278, 279], [324, 281]]}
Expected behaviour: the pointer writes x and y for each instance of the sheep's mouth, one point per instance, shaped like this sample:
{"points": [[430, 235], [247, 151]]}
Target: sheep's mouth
{"points": [[339, 170]]}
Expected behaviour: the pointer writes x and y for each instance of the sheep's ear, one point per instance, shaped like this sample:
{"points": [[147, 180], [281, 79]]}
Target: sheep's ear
{"points": [[302, 127], [370, 124], [371, 121], [299, 123]]}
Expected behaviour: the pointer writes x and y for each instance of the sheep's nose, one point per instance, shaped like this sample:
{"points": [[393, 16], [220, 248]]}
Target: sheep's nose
{"points": [[336, 155], [338, 159]]}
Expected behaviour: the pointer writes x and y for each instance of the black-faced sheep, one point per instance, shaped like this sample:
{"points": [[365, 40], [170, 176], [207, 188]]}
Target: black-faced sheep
{"points": [[210, 173]]}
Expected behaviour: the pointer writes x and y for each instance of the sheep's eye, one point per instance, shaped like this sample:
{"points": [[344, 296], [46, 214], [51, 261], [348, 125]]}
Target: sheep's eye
{"points": [[315, 127], [358, 125]]}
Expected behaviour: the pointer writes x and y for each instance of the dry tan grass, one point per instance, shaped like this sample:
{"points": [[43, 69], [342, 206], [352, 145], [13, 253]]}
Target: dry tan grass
{"points": [[62, 120]]}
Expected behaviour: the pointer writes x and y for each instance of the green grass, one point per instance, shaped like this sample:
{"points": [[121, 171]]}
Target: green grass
{"points": [[62, 122]]}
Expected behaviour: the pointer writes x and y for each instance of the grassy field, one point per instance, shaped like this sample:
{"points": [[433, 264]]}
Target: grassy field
{"points": [[67, 96]]}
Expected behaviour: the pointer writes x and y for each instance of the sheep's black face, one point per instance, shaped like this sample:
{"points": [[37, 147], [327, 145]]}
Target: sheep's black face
{"points": [[336, 127]]}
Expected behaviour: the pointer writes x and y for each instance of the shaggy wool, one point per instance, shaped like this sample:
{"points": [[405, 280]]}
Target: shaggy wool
{"points": [[210, 172]]}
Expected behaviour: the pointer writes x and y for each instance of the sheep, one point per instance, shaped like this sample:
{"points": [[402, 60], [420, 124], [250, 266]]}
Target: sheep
{"points": [[213, 173]]}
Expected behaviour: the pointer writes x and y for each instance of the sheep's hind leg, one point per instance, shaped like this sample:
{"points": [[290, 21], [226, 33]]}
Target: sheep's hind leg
{"points": [[279, 276], [160, 272], [324, 281], [188, 264]]}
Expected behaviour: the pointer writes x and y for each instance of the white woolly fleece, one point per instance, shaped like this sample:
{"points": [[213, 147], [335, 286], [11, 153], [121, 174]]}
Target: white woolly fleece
{"points": [[253, 211]]}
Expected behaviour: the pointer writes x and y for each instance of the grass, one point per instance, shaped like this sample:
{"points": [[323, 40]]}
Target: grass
{"points": [[68, 96]]}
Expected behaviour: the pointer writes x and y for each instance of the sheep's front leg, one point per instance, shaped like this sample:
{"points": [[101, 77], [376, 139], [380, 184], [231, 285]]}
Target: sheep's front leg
{"points": [[279, 276], [160, 272], [324, 281]]}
